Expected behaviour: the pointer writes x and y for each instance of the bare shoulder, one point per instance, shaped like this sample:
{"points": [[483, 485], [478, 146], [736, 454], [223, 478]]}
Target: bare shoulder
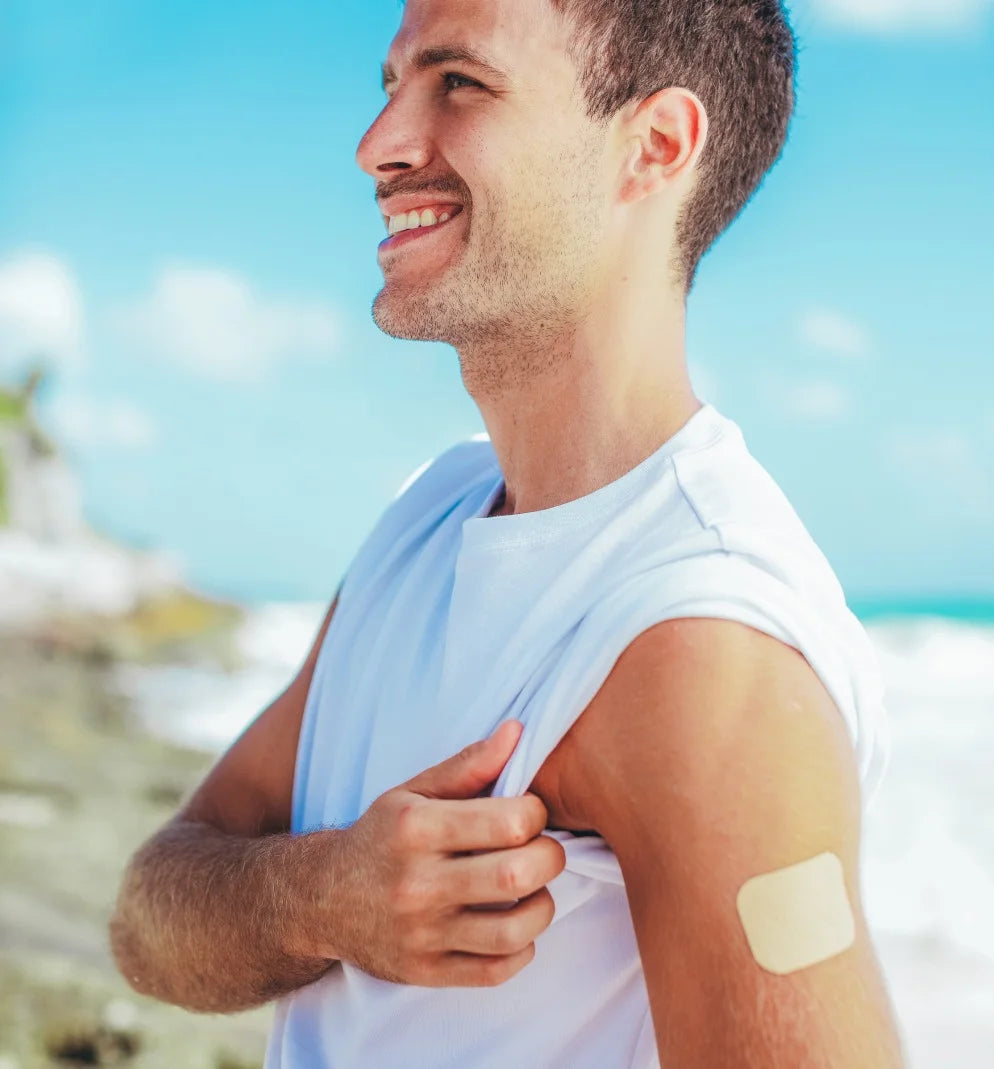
{"points": [[249, 790], [712, 756], [696, 706]]}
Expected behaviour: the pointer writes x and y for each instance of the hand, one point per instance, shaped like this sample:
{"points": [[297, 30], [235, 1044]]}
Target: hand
{"points": [[412, 879]]}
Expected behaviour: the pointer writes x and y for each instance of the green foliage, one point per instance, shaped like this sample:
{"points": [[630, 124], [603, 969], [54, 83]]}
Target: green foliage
{"points": [[13, 412], [17, 413], [13, 407]]}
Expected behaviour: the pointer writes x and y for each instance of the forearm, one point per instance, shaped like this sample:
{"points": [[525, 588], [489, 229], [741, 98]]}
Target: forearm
{"points": [[218, 923]]}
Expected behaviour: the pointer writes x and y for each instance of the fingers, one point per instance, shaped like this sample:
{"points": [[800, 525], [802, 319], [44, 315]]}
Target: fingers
{"points": [[455, 969], [446, 827], [503, 932], [502, 875], [466, 773]]}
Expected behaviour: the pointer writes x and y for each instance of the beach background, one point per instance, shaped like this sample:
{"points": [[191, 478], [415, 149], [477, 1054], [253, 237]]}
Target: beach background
{"points": [[199, 424]]}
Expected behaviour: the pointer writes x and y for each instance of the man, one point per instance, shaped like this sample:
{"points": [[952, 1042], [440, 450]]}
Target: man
{"points": [[659, 704]]}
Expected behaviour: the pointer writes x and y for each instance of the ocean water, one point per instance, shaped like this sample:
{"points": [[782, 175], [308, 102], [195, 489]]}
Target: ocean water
{"points": [[928, 857], [928, 854]]}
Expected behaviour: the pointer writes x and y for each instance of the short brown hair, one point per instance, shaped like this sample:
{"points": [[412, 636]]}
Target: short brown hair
{"points": [[737, 56]]}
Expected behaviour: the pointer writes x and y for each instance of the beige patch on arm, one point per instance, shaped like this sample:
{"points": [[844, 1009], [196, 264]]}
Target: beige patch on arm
{"points": [[797, 916]]}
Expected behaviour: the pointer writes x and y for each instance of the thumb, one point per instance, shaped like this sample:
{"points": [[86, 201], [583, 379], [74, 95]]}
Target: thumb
{"points": [[466, 773]]}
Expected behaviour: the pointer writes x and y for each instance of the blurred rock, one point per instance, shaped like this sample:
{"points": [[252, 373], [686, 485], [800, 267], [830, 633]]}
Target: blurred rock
{"points": [[71, 587], [82, 784]]}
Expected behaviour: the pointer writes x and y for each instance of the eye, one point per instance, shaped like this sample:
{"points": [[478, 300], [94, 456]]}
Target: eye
{"points": [[447, 80], [459, 77]]}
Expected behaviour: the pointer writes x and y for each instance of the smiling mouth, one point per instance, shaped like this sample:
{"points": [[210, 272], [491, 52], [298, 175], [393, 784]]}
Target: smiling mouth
{"points": [[417, 233]]}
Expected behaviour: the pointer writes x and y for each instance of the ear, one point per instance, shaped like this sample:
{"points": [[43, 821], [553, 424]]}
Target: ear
{"points": [[664, 136]]}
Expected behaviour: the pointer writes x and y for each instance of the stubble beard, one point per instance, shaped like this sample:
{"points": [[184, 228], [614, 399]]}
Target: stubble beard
{"points": [[506, 312]]}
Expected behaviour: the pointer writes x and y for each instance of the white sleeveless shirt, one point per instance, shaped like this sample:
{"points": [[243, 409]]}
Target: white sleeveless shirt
{"points": [[451, 620]]}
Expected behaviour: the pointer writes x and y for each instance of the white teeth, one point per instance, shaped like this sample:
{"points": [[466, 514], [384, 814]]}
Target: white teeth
{"points": [[413, 220]]}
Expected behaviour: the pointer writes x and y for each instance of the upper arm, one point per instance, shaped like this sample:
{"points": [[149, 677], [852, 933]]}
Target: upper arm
{"points": [[249, 790], [711, 755]]}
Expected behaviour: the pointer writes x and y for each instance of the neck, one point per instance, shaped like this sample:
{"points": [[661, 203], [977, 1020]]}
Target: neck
{"points": [[567, 417]]}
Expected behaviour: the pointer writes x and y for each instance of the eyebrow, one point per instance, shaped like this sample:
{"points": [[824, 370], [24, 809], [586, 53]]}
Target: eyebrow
{"points": [[439, 54]]}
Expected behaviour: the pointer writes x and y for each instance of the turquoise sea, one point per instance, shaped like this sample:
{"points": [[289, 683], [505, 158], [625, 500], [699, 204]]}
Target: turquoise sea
{"points": [[961, 608]]}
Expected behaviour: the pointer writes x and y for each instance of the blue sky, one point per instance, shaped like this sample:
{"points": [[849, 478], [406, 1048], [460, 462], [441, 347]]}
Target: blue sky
{"points": [[184, 228]]}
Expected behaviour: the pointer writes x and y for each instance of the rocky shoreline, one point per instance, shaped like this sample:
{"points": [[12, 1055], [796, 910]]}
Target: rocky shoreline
{"points": [[82, 784]]}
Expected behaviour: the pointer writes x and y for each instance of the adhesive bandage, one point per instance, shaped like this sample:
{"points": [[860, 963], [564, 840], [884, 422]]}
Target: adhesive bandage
{"points": [[797, 916]]}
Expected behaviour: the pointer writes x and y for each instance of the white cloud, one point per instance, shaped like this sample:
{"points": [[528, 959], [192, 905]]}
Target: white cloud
{"points": [[902, 16], [41, 313], [818, 401], [833, 332], [213, 322], [107, 421]]}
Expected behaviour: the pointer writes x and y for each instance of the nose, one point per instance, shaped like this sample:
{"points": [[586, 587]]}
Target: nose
{"points": [[396, 141]]}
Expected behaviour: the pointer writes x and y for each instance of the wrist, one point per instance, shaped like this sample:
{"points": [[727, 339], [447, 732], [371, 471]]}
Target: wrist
{"points": [[307, 895]]}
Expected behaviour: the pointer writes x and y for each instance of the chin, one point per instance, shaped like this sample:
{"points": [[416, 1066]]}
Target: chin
{"points": [[422, 314], [404, 317]]}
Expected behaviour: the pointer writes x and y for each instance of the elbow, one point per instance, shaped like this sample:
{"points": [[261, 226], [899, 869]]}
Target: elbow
{"points": [[147, 977], [126, 952], [134, 961]]}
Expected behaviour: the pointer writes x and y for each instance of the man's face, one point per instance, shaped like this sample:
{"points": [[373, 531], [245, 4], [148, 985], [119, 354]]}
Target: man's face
{"points": [[511, 157]]}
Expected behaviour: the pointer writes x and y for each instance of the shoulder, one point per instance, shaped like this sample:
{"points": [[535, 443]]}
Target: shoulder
{"points": [[705, 720], [425, 498], [456, 468], [713, 758], [748, 557], [731, 492], [467, 457], [731, 504]]}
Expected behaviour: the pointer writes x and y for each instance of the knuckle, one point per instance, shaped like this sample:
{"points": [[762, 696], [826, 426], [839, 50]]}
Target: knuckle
{"points": [[469, 752], [557, 855], [509, 875], [517, 829], [506, 939], [410, 825], [540, 814]]}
